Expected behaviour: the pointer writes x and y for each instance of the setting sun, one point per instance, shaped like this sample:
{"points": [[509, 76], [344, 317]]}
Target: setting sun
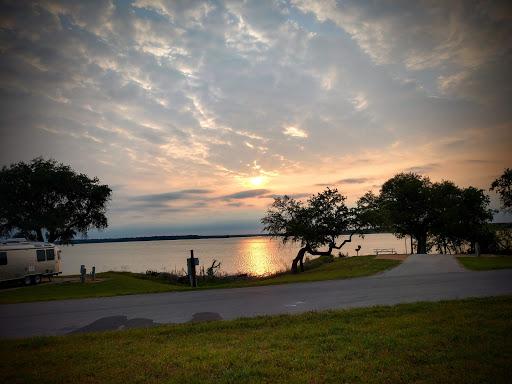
{"points": [[258, 181]]}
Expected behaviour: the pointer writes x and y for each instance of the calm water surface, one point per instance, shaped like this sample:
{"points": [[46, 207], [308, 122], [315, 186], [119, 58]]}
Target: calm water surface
{"points": [[254, 255]]}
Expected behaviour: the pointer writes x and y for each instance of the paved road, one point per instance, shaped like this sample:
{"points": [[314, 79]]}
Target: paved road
{"points": [[419, 278]]}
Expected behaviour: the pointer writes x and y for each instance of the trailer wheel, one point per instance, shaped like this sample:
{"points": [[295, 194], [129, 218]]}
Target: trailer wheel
{"points": [[27, 280], [37, 279]]}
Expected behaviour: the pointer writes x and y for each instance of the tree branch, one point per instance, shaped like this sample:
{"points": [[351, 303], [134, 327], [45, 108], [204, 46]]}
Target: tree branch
{"points": [[347, 240]]}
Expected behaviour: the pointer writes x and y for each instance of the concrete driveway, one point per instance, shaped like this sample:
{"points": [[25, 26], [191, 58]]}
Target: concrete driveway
{"points": [[419, 278], [426, 265]]}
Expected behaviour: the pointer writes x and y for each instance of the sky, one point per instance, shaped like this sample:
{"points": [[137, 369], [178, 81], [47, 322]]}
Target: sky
{"points": [[198, 113]]}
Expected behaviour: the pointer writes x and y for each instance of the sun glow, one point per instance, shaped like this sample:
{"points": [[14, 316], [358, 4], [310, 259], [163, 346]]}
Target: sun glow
{"points": [[256, 256], [258, 181]]}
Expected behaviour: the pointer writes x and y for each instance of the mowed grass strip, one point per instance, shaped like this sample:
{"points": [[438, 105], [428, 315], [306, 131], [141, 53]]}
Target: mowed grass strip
{"points": [[486, 263], [466, 341], [125, 283], [339, 268], [114, 283]]}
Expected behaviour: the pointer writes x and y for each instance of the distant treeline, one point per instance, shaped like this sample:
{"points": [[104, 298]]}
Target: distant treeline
{"points": [[181, 237], [198, 237], [158, 238]]}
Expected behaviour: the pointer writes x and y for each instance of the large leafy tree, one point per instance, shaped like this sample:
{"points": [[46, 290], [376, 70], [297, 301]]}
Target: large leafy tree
{"points": [[440, 214], [46, 197], [503, 186], [458, 216], [316, 223], [405, 202]]}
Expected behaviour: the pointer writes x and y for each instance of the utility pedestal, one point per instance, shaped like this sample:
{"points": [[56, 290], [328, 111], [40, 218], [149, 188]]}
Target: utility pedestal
{"points": [[83, 271], [191, 268]]}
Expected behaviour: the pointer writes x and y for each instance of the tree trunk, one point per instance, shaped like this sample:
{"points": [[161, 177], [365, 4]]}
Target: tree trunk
{"points": [[422, 243], [52, 236], [349, 240], [40, 235], [300, 255], [299, 258], [412, 249]]}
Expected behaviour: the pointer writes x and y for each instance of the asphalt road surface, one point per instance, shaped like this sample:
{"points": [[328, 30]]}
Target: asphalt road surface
{"points": [[419, 278]]}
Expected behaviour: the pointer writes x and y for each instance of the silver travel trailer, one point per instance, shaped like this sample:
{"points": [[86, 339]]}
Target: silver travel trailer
{"points": [[28, 261]]}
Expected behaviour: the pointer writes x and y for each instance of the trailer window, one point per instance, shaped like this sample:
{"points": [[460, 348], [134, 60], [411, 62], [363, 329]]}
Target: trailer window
{"points": [[40, 255], [50, 254], [3, 258]]}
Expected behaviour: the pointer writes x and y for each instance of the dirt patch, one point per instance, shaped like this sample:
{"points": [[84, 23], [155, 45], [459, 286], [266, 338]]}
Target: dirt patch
{"points": [[392, 257]]}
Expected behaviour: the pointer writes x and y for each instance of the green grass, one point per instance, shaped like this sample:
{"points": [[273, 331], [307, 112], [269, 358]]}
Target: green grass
{"points": [[125, 283], [486, 263], [466, 341], [337, 269], [115, 283]]}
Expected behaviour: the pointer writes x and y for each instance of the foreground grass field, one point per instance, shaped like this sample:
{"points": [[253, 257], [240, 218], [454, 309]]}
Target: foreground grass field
{"points": [[465, 341], [122, 283], [486, 263]]}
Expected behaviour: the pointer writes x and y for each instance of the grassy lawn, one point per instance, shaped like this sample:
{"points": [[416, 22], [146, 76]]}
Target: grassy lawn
{"points": [[338, 269], [123, 283], [466, 341], [486, 263], [115, 283]]}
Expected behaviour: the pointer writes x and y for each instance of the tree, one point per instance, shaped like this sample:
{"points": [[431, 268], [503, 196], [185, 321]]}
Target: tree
{"points": [[434, 214], [405, 203], [44, 195], [314, 224], [503, 186], [458, 216]]}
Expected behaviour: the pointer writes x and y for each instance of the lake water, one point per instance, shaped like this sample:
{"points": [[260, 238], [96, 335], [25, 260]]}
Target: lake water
{"points": [[253, 255]]}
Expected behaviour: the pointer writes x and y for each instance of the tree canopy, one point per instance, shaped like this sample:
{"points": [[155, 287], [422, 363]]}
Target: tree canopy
{"points": [[316, 223], [405, 202], [46, 197], [503, 186], [434, 214]]}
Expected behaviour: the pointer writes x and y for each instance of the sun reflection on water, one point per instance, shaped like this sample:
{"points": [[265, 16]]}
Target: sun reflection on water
{"points": [[257, 258]]}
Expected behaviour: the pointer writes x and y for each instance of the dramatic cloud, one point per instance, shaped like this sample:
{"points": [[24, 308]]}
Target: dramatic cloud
{"points": [[292, 195], [295, 132], [186, 103], [246, 194], [354, 180], [423, 169], [170, 196]]}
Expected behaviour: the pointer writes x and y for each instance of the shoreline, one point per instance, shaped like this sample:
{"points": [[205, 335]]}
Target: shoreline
{"points": [[187, 237]]}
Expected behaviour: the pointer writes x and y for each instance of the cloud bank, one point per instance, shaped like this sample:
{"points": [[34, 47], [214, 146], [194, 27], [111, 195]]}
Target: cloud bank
{"points": [[193, 105]]}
